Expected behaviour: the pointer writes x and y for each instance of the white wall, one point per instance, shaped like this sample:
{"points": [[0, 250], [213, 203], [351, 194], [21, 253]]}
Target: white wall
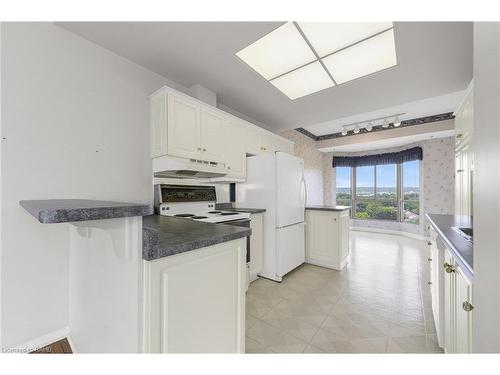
{"points": [[75, 118], [486, 189]]}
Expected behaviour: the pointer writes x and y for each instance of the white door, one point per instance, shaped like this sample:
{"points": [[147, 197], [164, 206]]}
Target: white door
{"points": [[183, 127], [213, 145], [290, 245], [290, 189]]}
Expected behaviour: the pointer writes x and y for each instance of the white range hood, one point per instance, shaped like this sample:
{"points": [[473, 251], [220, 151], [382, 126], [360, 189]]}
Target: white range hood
{"points": [[172, 167]]}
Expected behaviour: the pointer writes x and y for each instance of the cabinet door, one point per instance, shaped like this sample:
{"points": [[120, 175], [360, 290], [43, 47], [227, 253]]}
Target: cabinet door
{"points": [[463, 313], [183, 127], [235, 148], [195, 301], [213, 141], [449, 307], [458, 183], [253, 143], [256, 246], [159, 126], [344, 237], [322, 238]]}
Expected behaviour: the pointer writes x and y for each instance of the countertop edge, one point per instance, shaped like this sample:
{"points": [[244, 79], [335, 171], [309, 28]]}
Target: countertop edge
{"points": [[71, 214], [329, 208], [465, 265]]}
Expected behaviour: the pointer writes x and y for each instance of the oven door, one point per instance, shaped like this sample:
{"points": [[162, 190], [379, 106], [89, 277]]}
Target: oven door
{"points": [[242, 223]]}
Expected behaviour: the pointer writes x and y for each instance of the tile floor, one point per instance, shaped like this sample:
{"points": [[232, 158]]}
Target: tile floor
{"points": [[380, 303]]}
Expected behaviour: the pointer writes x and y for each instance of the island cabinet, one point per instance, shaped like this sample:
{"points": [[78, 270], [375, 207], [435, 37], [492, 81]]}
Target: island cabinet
{"points": [[194, 302], [436, 284], [458, 308], [327, 238]]}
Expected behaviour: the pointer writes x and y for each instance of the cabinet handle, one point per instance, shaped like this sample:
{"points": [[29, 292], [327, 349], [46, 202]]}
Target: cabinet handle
{"points": [[429, 282], [335, 219], [460, 135], [448, 267], [228, 167], [429, 259], [460, 170], [467, 306], [204, 149], [429, 243], [199, 148]]}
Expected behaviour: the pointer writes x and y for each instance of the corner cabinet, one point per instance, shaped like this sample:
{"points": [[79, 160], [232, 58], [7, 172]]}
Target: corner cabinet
{"points": [[194, 302], [327, 238], [187, 128], [458, 308]]}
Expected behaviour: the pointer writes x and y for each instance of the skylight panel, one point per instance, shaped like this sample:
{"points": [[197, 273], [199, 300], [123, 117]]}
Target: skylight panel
{"points": [[367, 57], [304, 81], [278, 52]]}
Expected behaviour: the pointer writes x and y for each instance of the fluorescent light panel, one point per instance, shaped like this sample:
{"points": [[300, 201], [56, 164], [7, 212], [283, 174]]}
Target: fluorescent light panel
{"points": [[278, 52], [303, 81], [367, 57], [348, 51], [328, 37]]}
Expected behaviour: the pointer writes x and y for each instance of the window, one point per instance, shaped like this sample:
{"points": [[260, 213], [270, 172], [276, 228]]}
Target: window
{"points": [[381, 192], [411, 192], [343, 186], [376, 192]]}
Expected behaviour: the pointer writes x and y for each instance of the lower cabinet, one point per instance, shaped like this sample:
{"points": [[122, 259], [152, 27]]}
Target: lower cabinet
{"points": [[327, 238], [457, 308], [436, 282], [256, 245], [194, 302]]}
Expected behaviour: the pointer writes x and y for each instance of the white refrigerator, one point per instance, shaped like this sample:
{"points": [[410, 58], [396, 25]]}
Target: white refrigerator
{"points": [[276, 182]]}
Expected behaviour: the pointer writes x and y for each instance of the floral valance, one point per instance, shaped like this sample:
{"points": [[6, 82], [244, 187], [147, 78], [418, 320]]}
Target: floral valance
{"points": [[410, 154]]}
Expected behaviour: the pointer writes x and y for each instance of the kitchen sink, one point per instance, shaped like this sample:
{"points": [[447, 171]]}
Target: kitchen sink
{"points": [[464, 232]]}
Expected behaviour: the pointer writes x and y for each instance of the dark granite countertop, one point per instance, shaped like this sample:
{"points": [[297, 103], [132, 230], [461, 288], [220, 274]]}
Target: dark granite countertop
{"points": [[70, 210], [246, 210], [461, 248], [328, 208], [163, 236]]}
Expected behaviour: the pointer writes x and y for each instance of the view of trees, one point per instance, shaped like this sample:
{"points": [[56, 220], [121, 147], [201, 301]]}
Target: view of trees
{"points": [[380, 203]]}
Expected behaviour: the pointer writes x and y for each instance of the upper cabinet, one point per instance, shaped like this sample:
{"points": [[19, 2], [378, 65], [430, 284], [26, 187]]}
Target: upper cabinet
{"points": [[260, 141], [184, 127], [464, 156]]}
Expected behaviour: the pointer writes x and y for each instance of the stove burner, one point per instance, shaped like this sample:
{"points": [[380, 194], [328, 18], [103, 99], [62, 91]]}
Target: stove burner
{"points": [[214, 212], [228, 213], [199, 217], [184, 215]]}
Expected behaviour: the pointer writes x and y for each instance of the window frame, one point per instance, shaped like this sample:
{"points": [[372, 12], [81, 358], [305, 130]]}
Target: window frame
{"points": [[400, 201]]}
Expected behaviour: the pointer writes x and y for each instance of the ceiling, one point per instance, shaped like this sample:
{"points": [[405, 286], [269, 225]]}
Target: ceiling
{"points": [[434, 59], [388, 143]]}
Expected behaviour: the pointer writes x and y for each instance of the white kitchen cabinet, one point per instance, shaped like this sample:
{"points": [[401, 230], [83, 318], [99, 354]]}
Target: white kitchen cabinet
{"points": [[213, 141], [184, 127], [327, 238], [436, 280], [464, 156], [253, 139], [457, 308], [234, 140], [195, 301], [463, 313], [256, 245]]}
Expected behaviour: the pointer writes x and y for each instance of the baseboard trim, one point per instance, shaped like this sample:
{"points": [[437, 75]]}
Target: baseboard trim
{"points": [[389, 231], [320, 263], [47, 339]]}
